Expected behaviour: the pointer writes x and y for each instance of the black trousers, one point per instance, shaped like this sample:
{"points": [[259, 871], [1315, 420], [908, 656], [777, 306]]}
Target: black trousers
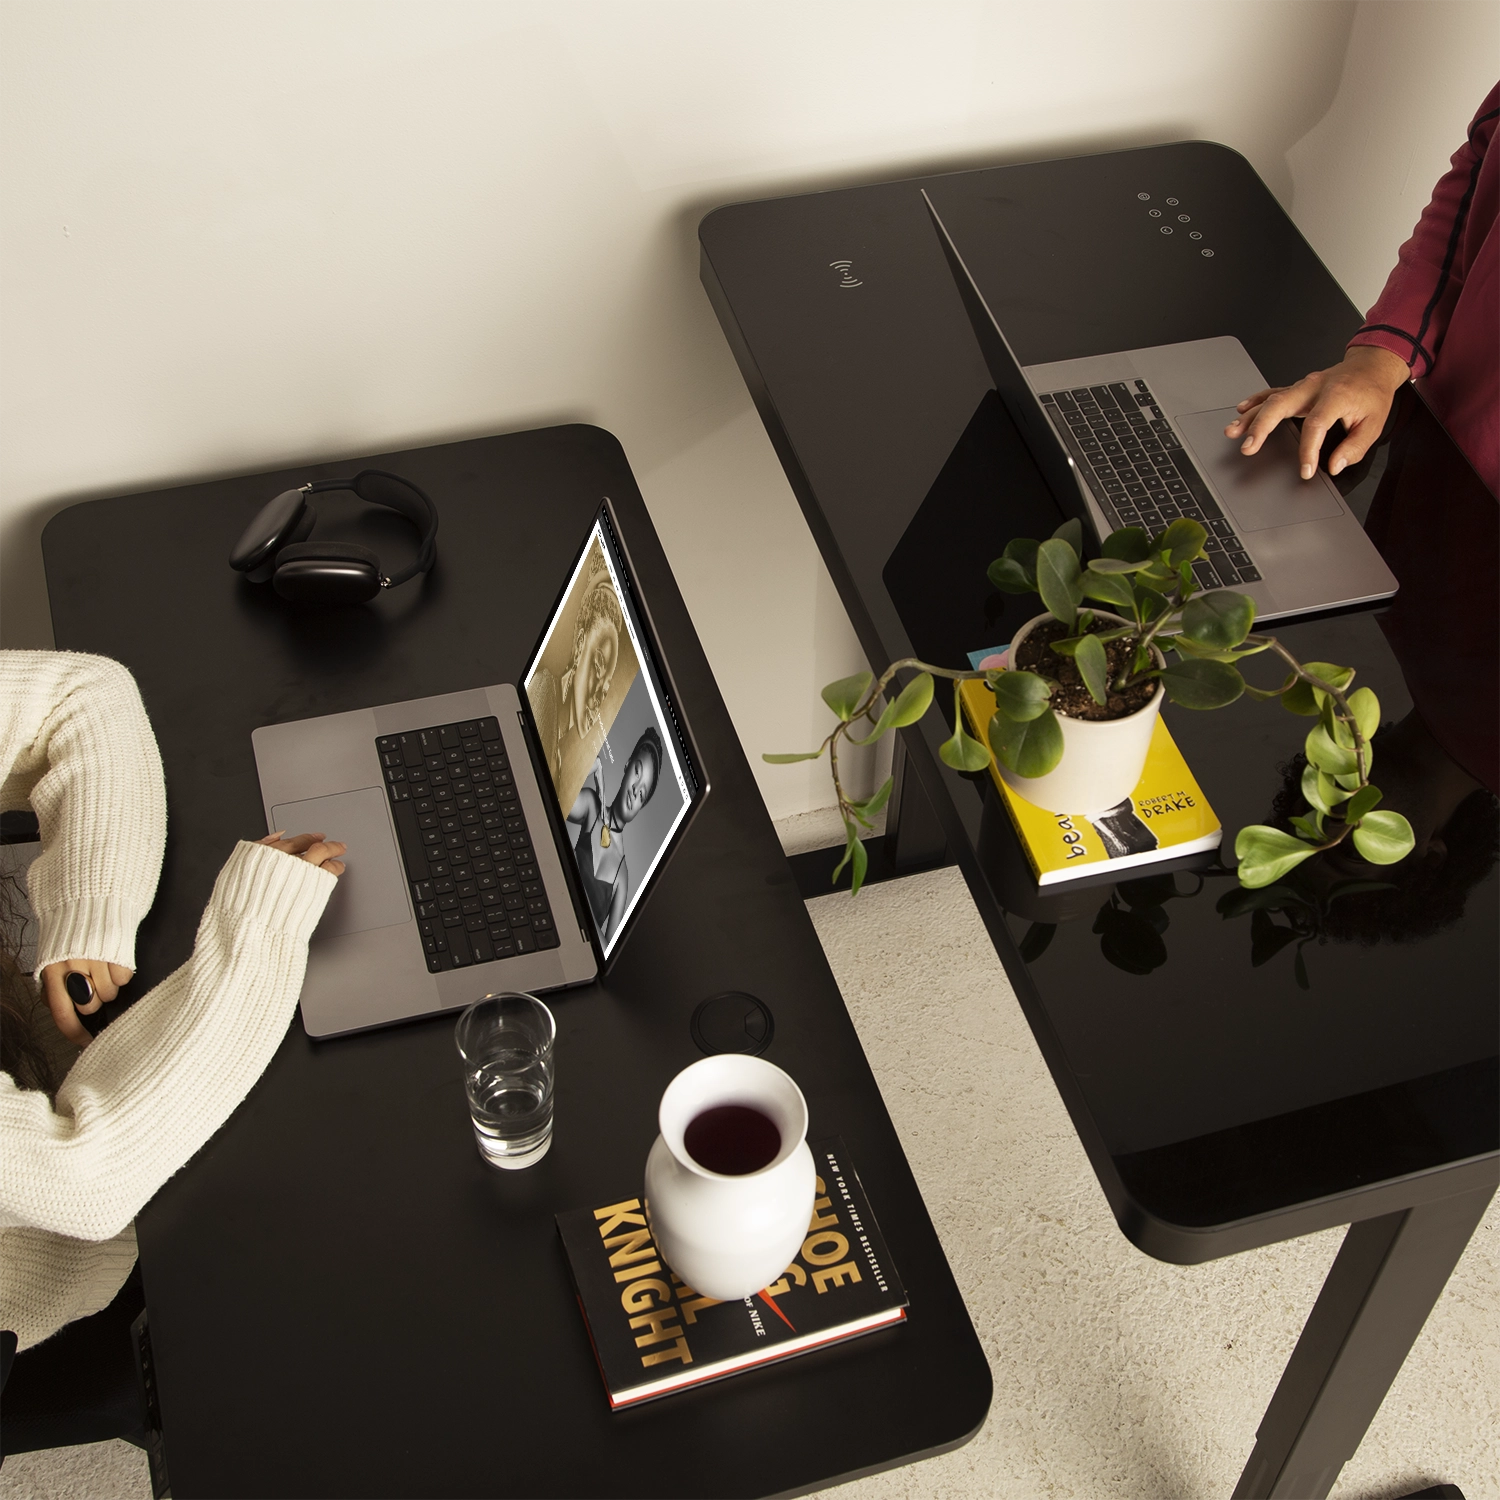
{"points": [[80, 1386]]}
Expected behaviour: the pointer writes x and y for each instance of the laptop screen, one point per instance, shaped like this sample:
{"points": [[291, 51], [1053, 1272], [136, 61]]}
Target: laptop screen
{"points": [[618, 759]]}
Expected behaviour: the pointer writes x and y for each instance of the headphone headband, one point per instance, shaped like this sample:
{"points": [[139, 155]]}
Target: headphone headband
{"points": [[275, 546]]}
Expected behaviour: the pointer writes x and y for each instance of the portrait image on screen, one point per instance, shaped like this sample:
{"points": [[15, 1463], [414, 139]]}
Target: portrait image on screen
{"points": [[611, 737]]}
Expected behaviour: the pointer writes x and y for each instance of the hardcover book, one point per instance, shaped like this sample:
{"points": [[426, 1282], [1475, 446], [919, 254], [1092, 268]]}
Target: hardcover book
{"points": [[1165, 817], [652, 1334]]}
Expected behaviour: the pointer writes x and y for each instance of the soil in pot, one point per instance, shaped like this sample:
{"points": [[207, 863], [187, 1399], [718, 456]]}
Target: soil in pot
{"points": [[1070, 696]]}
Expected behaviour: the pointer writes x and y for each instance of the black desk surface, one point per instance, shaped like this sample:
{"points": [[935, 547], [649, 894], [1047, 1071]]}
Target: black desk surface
{"points": [[1222, 1105], [344, 1299]]}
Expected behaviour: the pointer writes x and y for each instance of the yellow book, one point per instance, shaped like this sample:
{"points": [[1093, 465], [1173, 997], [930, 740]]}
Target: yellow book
{"points": [[1168, 815]]}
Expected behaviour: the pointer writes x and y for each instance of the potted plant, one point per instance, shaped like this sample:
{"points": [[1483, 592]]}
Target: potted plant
{"points": [[1079, 678]]}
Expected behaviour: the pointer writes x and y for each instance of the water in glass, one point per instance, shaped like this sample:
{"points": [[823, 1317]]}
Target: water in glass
{"points": [[510, 1101]]}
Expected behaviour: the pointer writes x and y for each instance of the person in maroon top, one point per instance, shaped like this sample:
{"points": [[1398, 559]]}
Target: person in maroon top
{"points": [[1438, 320]]}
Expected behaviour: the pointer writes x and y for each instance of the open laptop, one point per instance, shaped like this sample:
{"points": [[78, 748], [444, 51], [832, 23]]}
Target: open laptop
{"points": [[1136, 438], [499, 838]]}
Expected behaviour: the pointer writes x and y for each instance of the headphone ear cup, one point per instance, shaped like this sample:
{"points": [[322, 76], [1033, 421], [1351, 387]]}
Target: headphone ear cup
{"points": [[327, 573], [287, 518]]}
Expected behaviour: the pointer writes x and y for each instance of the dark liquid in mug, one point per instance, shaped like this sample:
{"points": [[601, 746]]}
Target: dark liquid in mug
{"points": [[732, 1139]]}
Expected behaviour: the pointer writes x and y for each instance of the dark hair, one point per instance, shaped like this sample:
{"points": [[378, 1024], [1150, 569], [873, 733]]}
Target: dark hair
{"points": [[1428, 895], [22, 1010], [650, 740]]}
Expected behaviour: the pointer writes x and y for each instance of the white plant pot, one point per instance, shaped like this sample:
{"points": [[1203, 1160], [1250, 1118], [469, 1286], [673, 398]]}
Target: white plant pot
{"points": [[1102, 759], [728, 1237]]}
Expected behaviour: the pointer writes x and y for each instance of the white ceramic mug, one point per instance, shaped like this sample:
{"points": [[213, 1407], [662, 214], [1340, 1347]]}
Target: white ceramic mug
{"points": [[729, 1236]]}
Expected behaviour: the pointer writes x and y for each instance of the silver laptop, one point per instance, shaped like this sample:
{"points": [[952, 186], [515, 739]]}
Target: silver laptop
{"points": [[499, 838], [1136, 438]]}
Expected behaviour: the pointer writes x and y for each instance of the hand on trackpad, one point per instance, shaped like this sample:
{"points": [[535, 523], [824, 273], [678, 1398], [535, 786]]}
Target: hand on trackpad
{"points": [[372, 891], [1264, 489]]}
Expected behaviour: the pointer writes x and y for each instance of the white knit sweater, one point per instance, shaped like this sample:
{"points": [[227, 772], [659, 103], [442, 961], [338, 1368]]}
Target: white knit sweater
{"points": [[145, 1096]]}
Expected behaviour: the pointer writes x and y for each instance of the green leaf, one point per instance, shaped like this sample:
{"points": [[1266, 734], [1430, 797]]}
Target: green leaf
{"points": [[1361, 803], [854, 852], [1383, 837], [1010, 577], [1325, 755], [1059, 579], [873, 803], [1093, 667], [1365, 707], [1115, 565], [1071, 532], [1298, 698], [1310, 828], [1029, 748], [1182, 542], [1321, 792], [1202, 684], [1185, 646], [796, 755], [1108, 587], [1220, 620], [963, 752], [1128, 544], [845, 695], [1339, 677], [1022, 550], [907, 707], [1266, 854], [1021, 696]]}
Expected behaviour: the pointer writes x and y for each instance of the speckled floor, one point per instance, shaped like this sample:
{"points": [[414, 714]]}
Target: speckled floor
{"points": [[1115, 1375]]}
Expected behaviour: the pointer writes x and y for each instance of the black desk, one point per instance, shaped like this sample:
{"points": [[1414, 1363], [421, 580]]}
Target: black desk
{"points": [[1221, 1105], [344, 1300]]}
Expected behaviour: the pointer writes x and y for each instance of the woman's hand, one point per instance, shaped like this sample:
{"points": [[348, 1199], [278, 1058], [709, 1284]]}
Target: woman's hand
{"points": [[104, 981], [1357, 392], [313, 847]]}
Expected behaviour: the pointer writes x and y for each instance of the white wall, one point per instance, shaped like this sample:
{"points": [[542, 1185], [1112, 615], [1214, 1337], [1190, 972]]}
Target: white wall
{"points": [[1414, 76], [243, 233]]}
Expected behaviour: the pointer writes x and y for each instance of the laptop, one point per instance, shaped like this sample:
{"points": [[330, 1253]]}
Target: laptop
{"points": [[500, 838], [1135, 437]]}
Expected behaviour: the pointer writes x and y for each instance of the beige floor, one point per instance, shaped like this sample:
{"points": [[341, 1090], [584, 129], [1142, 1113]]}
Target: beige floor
{"points": [[1115, 1375]]}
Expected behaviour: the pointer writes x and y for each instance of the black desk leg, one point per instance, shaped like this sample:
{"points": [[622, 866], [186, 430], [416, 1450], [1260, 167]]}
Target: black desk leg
{"points": [[914, 839], [1386, 1280]]}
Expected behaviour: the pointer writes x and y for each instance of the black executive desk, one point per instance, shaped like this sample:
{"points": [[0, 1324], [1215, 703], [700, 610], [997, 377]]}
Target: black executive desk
{"points": [[1222, 1105], [343, 1299]]}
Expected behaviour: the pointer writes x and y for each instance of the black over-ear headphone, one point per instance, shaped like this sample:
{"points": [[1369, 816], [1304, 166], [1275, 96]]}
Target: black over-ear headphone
{"points": [[275, 546]]}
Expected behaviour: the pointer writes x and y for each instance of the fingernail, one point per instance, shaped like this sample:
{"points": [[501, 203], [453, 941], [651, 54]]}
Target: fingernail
{"points": [[1336, 467], [1307, 471]]}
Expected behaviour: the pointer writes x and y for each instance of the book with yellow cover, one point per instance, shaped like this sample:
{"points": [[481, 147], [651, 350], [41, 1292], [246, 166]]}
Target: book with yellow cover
{"points": [[1167, 816]]}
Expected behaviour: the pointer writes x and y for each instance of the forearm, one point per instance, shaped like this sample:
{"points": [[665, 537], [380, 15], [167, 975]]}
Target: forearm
{"points": [[159, 1082], [77, 745]]}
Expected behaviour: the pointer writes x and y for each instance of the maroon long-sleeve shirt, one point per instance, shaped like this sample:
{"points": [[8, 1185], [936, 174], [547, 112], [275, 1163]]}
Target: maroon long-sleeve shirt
{"points": [[1440, 310]]}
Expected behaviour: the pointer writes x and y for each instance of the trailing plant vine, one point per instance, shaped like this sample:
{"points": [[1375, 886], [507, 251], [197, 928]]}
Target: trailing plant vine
{"points": [[1149, 581]]}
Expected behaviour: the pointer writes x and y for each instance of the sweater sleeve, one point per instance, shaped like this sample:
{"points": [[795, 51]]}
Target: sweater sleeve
{"points": [[157, 1084], [75, 742], [1412, 313]]}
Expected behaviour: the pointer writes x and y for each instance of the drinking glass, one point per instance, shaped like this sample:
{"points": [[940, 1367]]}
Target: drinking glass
{"points": [[506, 1043]]}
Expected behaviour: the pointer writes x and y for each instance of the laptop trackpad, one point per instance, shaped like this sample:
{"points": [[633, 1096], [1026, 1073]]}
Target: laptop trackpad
{"points": [[372, 890], [1263, 490]]}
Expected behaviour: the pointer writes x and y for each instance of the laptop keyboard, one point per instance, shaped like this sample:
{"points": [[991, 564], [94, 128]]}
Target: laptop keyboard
{"points": [[1140, 474], [469, 858]]}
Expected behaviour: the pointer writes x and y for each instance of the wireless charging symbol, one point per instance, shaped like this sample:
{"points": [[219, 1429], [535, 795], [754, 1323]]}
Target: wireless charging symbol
{"points": [[845, 268]]}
